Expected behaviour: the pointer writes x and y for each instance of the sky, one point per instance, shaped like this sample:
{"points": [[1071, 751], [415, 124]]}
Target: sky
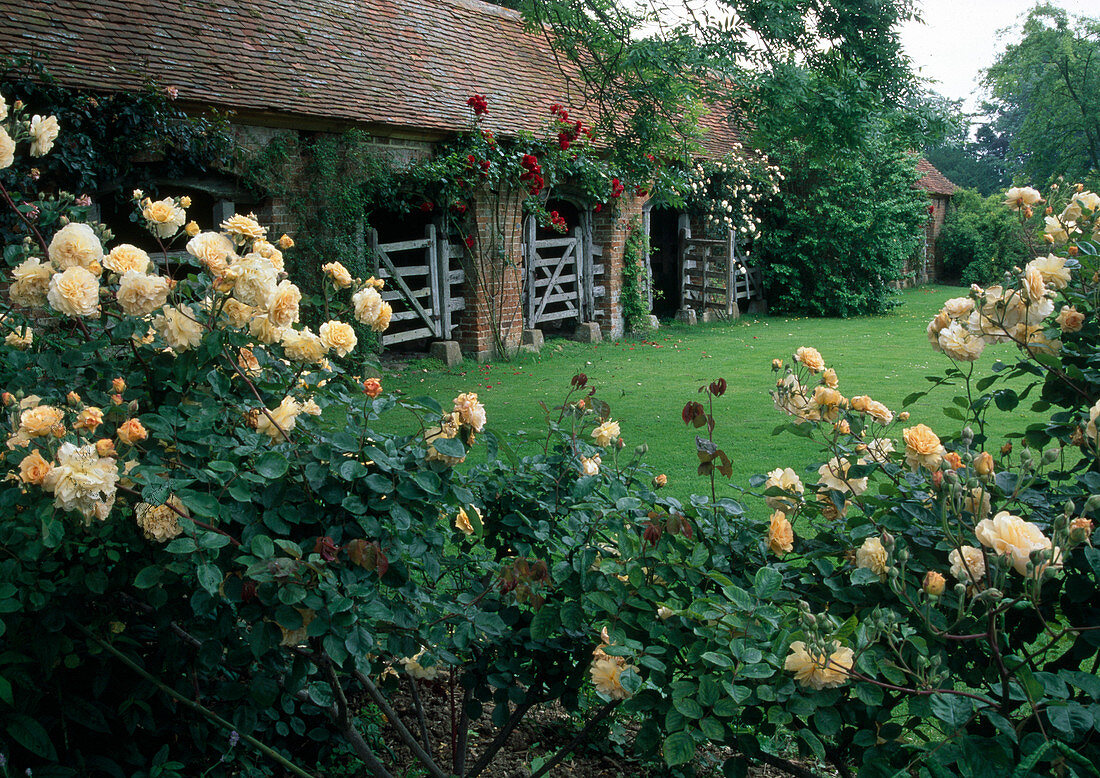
{"points": [[961, 37]]}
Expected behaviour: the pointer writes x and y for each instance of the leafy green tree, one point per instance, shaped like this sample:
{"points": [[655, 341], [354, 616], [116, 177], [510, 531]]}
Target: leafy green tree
{"points": [[1045, 96], [981, 239]]}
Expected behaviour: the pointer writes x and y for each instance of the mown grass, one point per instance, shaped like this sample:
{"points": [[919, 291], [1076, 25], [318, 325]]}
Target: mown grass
{"points": [[648, 381]]}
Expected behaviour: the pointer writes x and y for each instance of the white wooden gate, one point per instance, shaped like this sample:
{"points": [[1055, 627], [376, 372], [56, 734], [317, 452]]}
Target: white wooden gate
{"points": [[559, 276], [714, 276], [419, 282]]}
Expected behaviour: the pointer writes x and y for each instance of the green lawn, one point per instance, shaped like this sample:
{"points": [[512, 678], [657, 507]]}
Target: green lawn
{"points": [[648, 382]]}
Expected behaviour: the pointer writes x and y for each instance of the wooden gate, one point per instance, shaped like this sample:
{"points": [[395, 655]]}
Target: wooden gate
{"points": [[559, 276], [419, 282], [715, 276]]}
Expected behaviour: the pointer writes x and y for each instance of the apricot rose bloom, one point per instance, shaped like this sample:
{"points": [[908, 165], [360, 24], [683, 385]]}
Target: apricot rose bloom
{"points": [[243, 229], [933, 583], [88, 419], [817, 671], [338, 336], [33, 469], [283, 304], [1070, 319], [811, 358], [32, 282], [131, 431], [780, 534], [462, 520], [303, 346], [254, 279], [368, 305], [41, 421], [922, 448], [1052, 269], [373, 387], [607, 677], [7, 149], [834, 475], [605, 433], [1011, 536], [212, 249]]}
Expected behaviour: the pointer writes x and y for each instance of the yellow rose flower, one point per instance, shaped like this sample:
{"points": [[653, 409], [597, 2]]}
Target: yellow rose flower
{"points": [[339, 274], [74, 292], [124, 258], [418, 671], [590, 465], [462, 520], [213, 250], [780, 534], [829, 378], [1070, 319], [160, 522], [470, 411], [833, 475], [254, 278], [1019, 197], [21, 339], [811, 358], [922, 448], [179, 328], [956, 341], [607, 677], [140, 294], [243, 229], [967, 564], [368, 305], [817, 671], [606, 433], [1052, 269], [872, 556], [131, 431], [44, 130], [303, 346], [76, 245], [958, 307], [261, 328], [7, 149], [787, 480], [83, 481], [383, 321], [933, 583], [88, 419], [283, 417], [338, 336], [192, 228], [282, 304], [164, 218], [238, 313], [32, 283], [1011, 536]]}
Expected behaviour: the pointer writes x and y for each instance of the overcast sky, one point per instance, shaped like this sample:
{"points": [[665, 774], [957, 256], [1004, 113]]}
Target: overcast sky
{"points": [[961, 37]]}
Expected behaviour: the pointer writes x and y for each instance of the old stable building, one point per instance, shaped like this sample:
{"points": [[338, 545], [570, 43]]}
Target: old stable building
{"points": [[401, 73]]}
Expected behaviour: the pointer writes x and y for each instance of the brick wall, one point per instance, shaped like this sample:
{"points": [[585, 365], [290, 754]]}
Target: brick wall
{"points": [[927, 265], [494, 276], [610, 229]]}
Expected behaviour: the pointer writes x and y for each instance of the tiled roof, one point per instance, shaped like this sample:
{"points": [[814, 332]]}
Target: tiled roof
{"points": [[932, 180], [409, 64]]}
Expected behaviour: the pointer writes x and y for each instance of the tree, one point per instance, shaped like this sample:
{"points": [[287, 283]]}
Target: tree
{"points": [[1045, 96]]}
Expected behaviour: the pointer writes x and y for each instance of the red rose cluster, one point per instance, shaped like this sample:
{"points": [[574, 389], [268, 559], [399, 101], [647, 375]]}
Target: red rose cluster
{"points": [[471, 161], [617, 188], [568, 131], [557, 221], [532, 173], [478, 104]]}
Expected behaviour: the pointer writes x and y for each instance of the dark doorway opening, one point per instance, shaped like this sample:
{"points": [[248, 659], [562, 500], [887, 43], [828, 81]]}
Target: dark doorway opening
{"points": [[664, 244]]}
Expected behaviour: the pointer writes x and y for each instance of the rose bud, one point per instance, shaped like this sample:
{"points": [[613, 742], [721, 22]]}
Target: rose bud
{"points": [[286, 242], [937, 479], [1080, 528], [1072, 250], [903, 416], [933, 583], [7, 398], [373, 387], [983, 464], [659, 480], [131, 431], [777, 364], [118, 385], [1006, 449], [105, 447], [953, 460]]}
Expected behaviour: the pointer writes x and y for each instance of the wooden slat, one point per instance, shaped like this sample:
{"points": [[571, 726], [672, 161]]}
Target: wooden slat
{"points": [[403, 337], [405, 271], [384, 258], [569, 298], [407, 315], [558, 316], [555, 243], [405, 245], [542, 283]]}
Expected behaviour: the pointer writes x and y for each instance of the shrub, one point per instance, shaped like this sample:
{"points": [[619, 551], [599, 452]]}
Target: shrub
{"points": [[838, 236], [980, 240]]}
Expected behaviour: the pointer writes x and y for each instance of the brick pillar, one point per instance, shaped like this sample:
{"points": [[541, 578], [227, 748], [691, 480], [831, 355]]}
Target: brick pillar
{"points": [[493, 289], [610, 228]]}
